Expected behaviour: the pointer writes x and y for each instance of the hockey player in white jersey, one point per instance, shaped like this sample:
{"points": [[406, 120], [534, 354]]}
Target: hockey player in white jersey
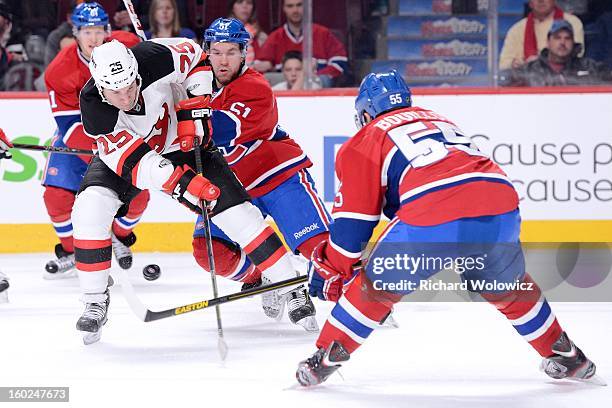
{"points": [[145, 141]]}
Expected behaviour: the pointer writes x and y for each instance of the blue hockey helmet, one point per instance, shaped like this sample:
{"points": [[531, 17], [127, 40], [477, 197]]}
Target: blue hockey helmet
{"points": [[379, 93], [227, 30], [89, 14]]}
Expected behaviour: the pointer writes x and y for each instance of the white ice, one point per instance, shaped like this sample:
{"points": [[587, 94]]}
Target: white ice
{"points": [[443, 354]]}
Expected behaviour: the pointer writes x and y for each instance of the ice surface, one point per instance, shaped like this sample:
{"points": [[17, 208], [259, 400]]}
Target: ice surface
{"points": [[443, 354]]}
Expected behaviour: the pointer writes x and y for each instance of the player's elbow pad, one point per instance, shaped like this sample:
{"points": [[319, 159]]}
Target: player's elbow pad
{"points": [[154, 171], [199, 83]]}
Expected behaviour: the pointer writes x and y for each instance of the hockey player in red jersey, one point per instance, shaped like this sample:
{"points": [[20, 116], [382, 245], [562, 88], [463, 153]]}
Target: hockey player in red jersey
{"points": [[147, 141], [5, 145], [443, 197], [271, 165], [64, 78]]}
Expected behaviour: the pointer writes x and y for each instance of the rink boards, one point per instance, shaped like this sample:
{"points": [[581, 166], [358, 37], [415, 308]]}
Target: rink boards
{"points": [[555, 145]]}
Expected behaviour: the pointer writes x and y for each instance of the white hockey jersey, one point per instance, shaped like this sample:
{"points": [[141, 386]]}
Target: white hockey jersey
{"points": [[131, 142]]}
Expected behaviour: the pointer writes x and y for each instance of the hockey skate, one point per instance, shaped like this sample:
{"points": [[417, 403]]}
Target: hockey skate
{"points": [[300, 309], [122, 251], [94, 317], [321, 365], [4, 285], [62, 267], [569, 362]]}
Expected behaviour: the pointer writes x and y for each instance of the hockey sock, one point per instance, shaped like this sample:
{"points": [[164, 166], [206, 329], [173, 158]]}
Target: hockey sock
{"points": [[93, 262], [59, 204], [530, 314], [123, 226], [358, 312], [230, 261]]}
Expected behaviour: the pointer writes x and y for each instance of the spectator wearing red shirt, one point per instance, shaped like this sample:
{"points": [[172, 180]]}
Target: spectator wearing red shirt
{"points": [[328, 51]]}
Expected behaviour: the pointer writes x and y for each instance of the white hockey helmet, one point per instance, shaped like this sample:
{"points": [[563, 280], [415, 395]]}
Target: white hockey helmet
{"points": [[113, 66]]}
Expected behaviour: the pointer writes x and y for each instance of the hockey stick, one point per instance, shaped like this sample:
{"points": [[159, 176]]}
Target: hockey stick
{"points": [[52, 149], [147, 315], [222, 346], [135, 21]]}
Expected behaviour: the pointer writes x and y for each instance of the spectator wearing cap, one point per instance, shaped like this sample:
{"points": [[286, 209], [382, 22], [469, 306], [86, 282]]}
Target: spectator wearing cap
{"points": [[164, 21], [527, 38], [559, 63], [293, 72], [328, 51]]}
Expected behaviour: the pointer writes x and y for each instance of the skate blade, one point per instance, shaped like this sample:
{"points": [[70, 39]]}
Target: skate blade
{"points": [[390, 322], [309, 324], [90, 338], [60, 275], [4, 296], [595, 380]]}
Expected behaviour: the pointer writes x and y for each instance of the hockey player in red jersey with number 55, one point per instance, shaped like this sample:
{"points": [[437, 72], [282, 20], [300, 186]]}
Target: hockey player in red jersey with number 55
{"points": [[445, 199]]}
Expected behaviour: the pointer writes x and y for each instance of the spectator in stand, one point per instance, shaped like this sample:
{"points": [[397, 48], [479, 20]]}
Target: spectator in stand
{"points": [[527, 38], [326, 48], [164, 21], [61, 37], [6, 24], [246, 11], [600, 49], [121, 19], [559, 64], [293, 73]]}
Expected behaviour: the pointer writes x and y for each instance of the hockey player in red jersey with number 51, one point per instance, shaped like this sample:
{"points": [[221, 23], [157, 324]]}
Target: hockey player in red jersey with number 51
{"points": [[444, 199], [64, 78], [272, 167]]}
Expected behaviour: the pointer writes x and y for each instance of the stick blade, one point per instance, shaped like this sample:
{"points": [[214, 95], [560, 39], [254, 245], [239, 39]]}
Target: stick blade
{"points": [[222, 347]]}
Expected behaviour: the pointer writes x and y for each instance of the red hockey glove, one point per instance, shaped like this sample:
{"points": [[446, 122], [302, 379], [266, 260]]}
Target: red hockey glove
{"points": [[188, 188], [192, 115], [5, 145], [324, 281]]}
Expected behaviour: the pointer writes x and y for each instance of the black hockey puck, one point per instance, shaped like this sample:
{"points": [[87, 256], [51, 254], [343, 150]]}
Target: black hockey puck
{"points": [[151, 272]]}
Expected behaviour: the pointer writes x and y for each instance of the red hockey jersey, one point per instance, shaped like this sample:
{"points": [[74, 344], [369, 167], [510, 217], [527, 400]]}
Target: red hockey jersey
{"points": [[65, 77], [326, 49], [245, 128], [415, 165]]}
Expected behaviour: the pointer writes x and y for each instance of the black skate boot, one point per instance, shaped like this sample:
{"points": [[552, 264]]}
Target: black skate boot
{"points": [[568, 361], [251, 285], [4, 285], [122, 251], [301, 310], [62, 267], [321, 365], [94, 317]]}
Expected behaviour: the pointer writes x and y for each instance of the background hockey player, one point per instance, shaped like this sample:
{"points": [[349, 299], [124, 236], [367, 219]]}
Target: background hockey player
{"points": [[271, 165], [5, 145], [64, 78], [4, 285], [129, 107], [420, 170]]}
